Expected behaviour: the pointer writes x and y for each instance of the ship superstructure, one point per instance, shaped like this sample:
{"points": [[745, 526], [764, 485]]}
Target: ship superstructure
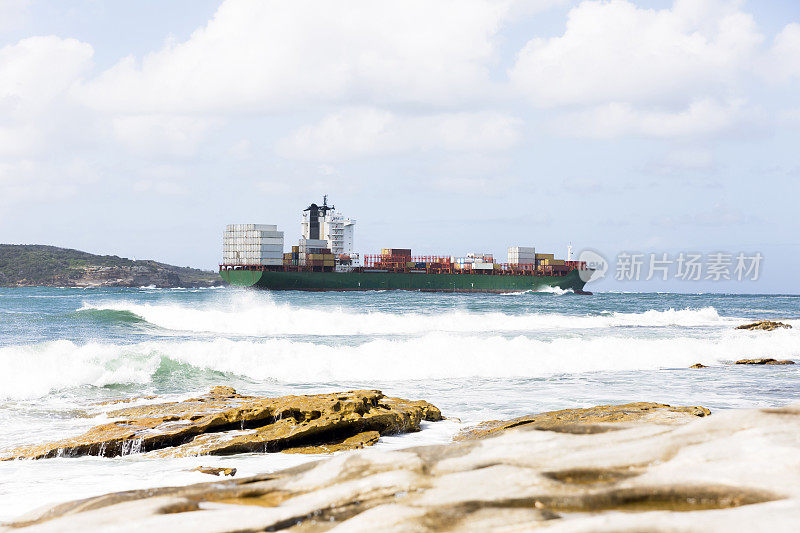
{"points": [[322, 222]]}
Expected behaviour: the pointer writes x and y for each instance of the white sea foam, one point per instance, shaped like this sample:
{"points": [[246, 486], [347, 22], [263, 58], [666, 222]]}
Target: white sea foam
{"points": [[32, 371], [259, 316], [558, 291]]}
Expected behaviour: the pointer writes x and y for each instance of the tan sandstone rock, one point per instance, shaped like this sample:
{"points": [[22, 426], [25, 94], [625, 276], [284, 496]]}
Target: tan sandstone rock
{"points": [[215, 471], [699, 365], [590, 420], [766, 325], [734, 471], [224, 422]]}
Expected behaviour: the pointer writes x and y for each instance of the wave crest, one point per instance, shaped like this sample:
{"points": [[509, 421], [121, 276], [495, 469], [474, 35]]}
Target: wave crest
{"points": [[33, 371], [250, 316]]}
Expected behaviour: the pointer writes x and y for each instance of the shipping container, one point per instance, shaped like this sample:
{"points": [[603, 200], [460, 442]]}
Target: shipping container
{"points": [[252, 244], [396, 252]]}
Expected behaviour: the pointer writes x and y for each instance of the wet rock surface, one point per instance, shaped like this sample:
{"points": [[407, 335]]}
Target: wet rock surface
{"points": [[699, 365], [590, 420], [224, 422], [766, 325], [215, 471], [764, 361], [733, 471]]}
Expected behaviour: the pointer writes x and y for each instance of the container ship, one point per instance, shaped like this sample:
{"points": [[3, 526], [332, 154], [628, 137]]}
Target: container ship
{"points": [[324, 260]]}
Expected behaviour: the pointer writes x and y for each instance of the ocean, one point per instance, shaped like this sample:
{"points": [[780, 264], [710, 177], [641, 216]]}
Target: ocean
{"points": [[475, 356]]}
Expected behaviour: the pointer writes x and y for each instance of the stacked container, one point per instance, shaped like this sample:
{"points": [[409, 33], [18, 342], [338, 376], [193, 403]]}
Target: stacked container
{"points": [[395, 258], [252, 245], [396, 252], [521, 255], [480, 258], [315, 253], [292, 258], [474, 261]]}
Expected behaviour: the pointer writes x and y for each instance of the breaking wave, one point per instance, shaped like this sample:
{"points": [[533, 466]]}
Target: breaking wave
{"points": [[259, 317], [36, 370], [110, 315]]}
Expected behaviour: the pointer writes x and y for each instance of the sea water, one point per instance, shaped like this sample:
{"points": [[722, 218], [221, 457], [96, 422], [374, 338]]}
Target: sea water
{"points": [[475, 356]]}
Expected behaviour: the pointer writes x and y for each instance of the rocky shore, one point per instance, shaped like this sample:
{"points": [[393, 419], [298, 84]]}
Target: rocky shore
{"points": [[224, 422], [50, 266], [633, 467]]}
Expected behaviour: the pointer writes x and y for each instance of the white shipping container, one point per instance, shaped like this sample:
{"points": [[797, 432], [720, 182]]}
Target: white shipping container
{"points": [[255, 239], [275, 245], [313, 243], [268, 255], [263, 234], [267, 240], [241, 229], [252, 244]]}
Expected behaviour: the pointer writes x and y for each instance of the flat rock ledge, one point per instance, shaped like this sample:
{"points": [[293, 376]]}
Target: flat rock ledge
{"points": [[764, 361], [589, 420], [224, 422], [733, 471], [766, 325]]}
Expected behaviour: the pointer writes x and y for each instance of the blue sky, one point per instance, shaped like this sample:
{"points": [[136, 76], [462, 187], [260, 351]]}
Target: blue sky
{"points": [[142, 128]]}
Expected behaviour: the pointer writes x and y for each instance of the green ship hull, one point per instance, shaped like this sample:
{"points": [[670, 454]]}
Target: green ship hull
{"points": [[366, 281]]}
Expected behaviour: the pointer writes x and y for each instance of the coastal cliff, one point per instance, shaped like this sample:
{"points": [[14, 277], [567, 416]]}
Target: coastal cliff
{"points": [[49, 266]]}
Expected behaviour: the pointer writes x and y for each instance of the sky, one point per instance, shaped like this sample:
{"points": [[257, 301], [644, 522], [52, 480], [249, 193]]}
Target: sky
{"points": [[447, 126]]}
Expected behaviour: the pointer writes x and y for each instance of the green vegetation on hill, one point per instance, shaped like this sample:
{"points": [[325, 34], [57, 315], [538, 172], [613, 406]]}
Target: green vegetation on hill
{"points": [[29, 265]]}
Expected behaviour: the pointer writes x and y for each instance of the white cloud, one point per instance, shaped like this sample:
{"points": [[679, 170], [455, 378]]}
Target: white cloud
{"points": [[617, 52], [161, 134], [32, 180], [365, 132], [700, 118], [395, 79], [264, 54], [37, 75], [37, 70], [783, 62]]}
